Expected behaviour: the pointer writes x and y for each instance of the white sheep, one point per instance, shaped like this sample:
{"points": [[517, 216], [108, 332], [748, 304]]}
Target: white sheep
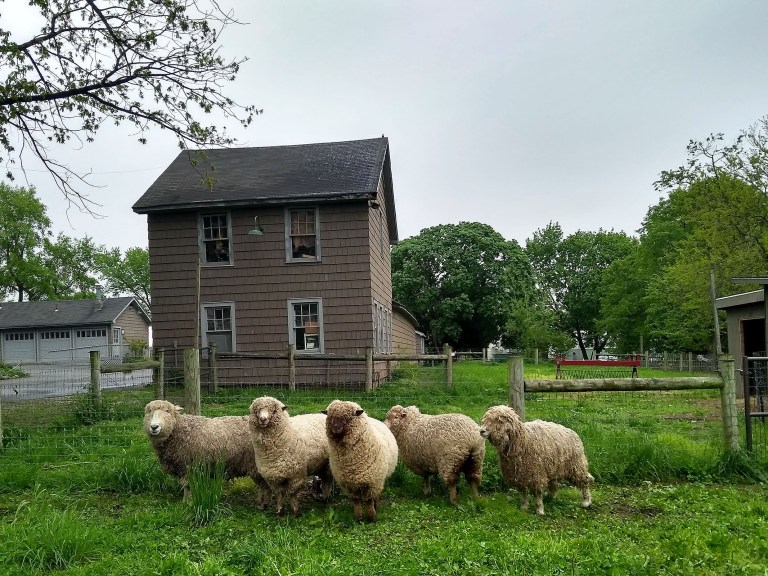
{"points": [[363, 454], [536, 455], [444, 445], [288, 449], [179, 440]]}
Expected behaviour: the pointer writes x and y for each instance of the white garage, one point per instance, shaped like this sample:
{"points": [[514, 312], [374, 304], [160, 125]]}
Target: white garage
{"points": [[18, 346]]}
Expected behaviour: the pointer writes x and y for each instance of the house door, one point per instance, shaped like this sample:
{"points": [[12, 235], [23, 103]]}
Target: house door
{"points": [[117, 342]]}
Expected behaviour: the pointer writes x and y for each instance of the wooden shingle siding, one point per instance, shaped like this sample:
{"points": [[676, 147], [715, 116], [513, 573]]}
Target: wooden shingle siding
{"points": [[404, 339], [133, 325], [260, 282]]}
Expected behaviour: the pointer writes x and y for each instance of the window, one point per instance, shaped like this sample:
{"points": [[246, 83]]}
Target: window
{"points": [[219, 326], [99, 333], [19, 336], [55, 335], [382, 328], [215, 239], [305, 321], [302, 242]]}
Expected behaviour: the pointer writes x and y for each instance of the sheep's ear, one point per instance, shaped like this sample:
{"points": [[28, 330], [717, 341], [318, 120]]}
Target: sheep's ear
{"points": [[179, 408], [285, 407], [359, 412], [324, 411]]}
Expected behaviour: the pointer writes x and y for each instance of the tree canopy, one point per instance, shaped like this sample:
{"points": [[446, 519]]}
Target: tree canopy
{"points": [[147, 63], [460, 281], [569, 271]]}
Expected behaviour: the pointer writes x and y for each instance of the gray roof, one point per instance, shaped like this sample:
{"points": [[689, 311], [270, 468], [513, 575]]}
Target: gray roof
{"points": [[64, 313], [274, 175]]}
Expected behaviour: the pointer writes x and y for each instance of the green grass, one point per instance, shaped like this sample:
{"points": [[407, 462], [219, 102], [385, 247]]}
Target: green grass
{"points": [[85, 496]]}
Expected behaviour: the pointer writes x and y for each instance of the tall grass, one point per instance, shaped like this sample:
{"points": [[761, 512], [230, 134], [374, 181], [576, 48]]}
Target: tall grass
{"points": [[206, 482]]}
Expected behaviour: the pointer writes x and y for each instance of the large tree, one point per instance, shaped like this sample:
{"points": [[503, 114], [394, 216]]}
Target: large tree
{"points": [[460, 281], [569, 272], [147, 63], [126, 274]]}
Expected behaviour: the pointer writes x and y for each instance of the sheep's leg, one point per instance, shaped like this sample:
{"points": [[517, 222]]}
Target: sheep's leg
{"points": [[279, 502], [524, 499], [185, 487], [371, 509], [357, 509], [427, 485], [263, 493], [453, 493], [539, 503], [474, 486], [586, 501], [553, 487], [326, 483], [294, 486]]}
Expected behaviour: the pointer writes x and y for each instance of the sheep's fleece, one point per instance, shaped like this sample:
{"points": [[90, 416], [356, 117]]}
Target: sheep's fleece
{"points": [[363, 454], [536, 455], [444, 445], [181, 439], [288, 449]]}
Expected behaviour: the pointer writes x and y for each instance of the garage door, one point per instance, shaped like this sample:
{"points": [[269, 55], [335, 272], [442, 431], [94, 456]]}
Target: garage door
{"points": [[55, 345], [18, 346], [90, 339]]}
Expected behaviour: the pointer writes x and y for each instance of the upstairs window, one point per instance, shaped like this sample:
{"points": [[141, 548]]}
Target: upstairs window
{"points": [[305, 320], [302, 241], [215, 239]]}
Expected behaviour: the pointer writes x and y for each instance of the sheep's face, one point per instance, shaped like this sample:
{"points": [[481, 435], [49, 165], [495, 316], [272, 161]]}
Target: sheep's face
{"points": [[266, 411], [499, 425], [341, 418], [398, 418], [160, 418]]}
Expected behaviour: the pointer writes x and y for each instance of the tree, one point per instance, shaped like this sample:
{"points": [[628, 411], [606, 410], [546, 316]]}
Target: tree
{"points": [[68, 265], [148, 63], [126, 275], [569, 272], [460, 281], [24, 225]]}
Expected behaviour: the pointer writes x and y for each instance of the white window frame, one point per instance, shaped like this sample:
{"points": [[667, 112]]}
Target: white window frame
{"points": [[201, 240], [382, 328], [292, 328], [204, 307], [289, 257]]}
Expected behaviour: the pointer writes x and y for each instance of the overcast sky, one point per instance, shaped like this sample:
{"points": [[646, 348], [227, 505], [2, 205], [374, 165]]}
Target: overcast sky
{"points": [[511, 113]]}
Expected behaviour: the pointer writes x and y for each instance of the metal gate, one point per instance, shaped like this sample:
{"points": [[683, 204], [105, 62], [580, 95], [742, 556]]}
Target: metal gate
{"points": [[755, 378]]}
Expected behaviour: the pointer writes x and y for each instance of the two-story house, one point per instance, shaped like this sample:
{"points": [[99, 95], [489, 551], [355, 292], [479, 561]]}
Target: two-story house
{"points": [[254, 249]]}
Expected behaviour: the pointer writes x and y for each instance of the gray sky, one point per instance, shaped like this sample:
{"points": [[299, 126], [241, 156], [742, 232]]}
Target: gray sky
{"points": [[511, 113]]}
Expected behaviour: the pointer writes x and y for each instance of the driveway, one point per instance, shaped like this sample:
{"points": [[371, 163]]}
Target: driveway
{"points": [[54, 380]]}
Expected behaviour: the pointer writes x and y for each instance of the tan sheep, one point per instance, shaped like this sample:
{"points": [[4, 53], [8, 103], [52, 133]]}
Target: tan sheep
{"points": [[288, 449], [444, 445], [179, 440], [363, 454], [536, 455]]}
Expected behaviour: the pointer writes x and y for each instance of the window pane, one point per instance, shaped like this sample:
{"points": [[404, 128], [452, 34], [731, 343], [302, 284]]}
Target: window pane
{"points": [[216, 238]]}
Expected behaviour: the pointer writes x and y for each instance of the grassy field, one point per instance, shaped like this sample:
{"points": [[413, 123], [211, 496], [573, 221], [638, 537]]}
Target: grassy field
{"points": [[81, 493]]}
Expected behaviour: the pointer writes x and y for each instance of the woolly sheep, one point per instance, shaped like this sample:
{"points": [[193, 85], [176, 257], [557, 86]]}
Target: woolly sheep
{"points": [[288, 449], [181, 439], [363, 454], [536, 455], [444, 445]]}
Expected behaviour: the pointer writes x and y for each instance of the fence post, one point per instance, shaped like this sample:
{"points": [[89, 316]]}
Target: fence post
{"points": [[516, 385], [213, 377], [95, 386], [448, 366], [728, 403], [368, 368], [292, 367], [192, 381], [690, 361], [160, 380]]}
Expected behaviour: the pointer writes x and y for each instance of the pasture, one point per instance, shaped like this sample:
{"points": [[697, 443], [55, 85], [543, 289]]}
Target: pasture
{"points": [[81, 494]]}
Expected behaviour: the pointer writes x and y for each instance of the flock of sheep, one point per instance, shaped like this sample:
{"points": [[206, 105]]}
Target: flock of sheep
{"points": [[346, 446]]}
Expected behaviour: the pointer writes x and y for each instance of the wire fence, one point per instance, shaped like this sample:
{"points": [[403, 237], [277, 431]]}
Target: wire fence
{"points": [[50, 423]]}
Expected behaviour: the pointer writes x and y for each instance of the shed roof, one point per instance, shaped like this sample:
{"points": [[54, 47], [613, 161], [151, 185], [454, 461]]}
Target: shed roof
{"points": [[331, 171], [743, 299], [64, 313]]}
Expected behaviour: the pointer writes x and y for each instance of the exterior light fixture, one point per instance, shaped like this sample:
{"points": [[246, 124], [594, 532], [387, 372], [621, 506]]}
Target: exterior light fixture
{"points": [[373, 204], [257, 230]]}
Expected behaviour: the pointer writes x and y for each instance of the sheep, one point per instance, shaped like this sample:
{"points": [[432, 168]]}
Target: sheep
{"points": [[363, 454], [536, 455], [288, 449], [444, 445], [179, 440]]}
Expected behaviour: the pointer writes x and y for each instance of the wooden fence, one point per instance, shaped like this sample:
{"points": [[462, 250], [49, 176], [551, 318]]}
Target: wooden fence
{"points": [[725, 382]]}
